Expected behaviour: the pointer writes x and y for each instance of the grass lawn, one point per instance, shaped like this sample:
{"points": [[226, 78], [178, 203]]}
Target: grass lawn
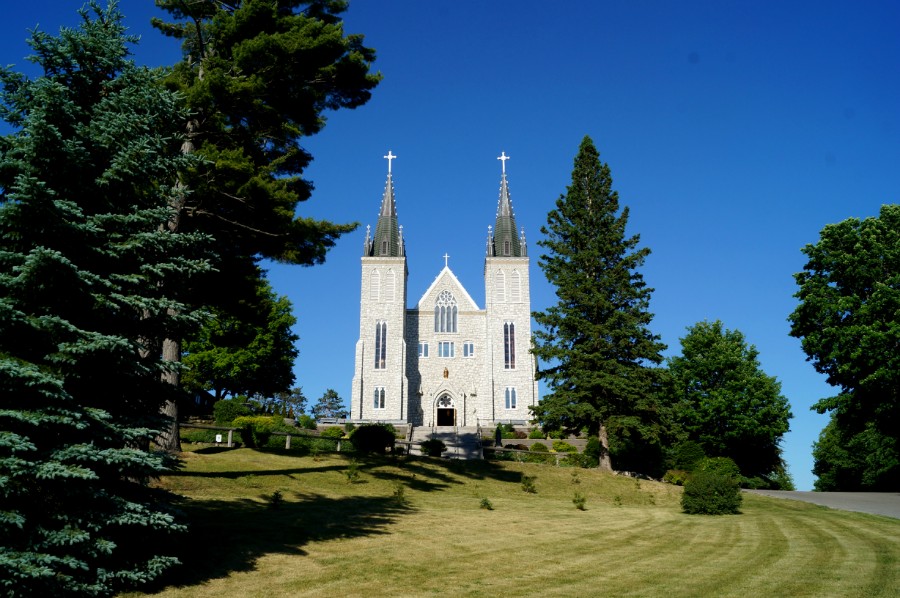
{"points": [[330, 537]]}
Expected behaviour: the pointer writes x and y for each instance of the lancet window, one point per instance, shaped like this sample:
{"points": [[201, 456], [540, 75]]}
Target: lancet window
{"points": [[445, 312]]}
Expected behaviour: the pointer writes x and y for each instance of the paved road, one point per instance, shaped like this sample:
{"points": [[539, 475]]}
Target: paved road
{"points": [[876, 503]]}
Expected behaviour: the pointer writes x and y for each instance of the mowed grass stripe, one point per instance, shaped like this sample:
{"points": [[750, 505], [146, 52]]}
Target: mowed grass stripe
{"points": [[333, 538]]}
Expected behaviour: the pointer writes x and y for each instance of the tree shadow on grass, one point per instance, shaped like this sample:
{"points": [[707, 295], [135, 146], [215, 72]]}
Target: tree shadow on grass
{"points": [[229, 536]]}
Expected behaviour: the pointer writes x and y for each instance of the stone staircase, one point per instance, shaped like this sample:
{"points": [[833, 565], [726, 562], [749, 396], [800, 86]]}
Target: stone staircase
{"points": [[462, 442]]}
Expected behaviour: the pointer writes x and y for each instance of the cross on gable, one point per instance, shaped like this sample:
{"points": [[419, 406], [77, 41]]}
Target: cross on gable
{"points": [[446, 257]]}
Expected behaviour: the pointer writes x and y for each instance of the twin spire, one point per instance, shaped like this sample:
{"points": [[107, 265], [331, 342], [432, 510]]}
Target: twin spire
{"points": [[503, 241]]}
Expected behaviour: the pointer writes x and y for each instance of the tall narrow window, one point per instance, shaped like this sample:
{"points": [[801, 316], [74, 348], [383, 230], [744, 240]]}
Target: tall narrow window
{"points": [[384, 248], [423, 349], [391, 286], [515, 287], [375, 286], [509, 346], [445, 312], [499, 287], [505, 247], [380, 344], [510, 397], [379, 397]]}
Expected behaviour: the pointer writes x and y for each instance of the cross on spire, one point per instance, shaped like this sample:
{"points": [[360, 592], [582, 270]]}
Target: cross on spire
{"points": [[503, 158], [389, 157]]}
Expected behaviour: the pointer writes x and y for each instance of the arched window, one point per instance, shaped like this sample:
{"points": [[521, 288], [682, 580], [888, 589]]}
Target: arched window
{"points": [[509, 346], [380, 344], [445, 312], [515, 287], [391, 286], [499, 287], [379, 397], [375, 286], [510, 397]]}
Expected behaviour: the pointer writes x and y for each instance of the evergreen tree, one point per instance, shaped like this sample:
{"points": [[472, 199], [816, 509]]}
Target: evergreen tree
{"points": [[725, 402], [594, 342], [258, 76], [329, 404], [91, 281]]}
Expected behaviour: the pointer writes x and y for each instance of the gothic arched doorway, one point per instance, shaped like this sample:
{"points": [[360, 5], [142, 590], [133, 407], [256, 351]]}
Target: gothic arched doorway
{"points": [[446, 411]]}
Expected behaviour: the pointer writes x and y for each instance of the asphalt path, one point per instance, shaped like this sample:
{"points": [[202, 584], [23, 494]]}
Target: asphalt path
{"points": [[875, 503]]}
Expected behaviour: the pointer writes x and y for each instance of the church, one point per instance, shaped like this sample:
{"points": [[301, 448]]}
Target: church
{"points": [[445, 362]]}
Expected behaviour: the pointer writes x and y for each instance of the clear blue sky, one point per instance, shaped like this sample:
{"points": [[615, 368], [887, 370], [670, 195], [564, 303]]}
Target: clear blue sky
{"points": [[734, 131]]}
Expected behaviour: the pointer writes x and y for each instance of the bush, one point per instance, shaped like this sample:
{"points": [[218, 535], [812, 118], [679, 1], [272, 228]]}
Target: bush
{"points": [[561, 446], [536, 434], [539, 447], [332, 432], [349, 427], [306, 422], [579, 501], [227, 410], [720, 465], [433, 447], [195, 435], [507, 431], [557, 435], [372, 438], [257, 429], [528, 484], [711, 493], [687, 455], [676, 476]]}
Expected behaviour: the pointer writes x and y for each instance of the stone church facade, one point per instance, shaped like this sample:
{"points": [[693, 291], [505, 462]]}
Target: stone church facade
{"points": [[446, 361]]}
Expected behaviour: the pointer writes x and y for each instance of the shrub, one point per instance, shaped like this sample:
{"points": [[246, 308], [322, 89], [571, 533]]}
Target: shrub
{"points": [[227, 410], [349, 427], [676, 476], [579, 501], [557, 435], [528, 484], [561, 446], [332, 432], [372, 438], [306, 422], [539, 447], [433, 447], [256, 429], [711, 493], [507, 431], [536, 434], [539, 453], [196, 435], [687, 455], [399, 493], [720, 465], [592, 448], [352, 472], [486, 505]]}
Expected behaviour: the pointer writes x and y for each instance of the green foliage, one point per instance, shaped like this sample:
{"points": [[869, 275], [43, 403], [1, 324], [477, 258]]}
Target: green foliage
{"points": [[399, 493], [848, 321], [332, 432], [687, 455], [722, 466], [507, 431], [433, 447], [91, 281], [197, 435], [276, 500], [227, 410], [307, 422], [248, 349], [579, 500], [528, 484], [330, 404], [539, 447], [372, 438], [725, 402], [711, 493], [561, 446], [352, 472], [557, 435], [349, 427], [676, 476], [595, 343], [536, 434], [257, 429], [486, 504]]}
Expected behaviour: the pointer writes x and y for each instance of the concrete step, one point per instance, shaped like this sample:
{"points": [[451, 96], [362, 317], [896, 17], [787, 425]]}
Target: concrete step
{"points": [[462, 443]]}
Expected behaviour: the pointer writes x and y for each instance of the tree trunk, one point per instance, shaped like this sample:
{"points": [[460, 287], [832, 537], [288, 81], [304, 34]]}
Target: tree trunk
{"points": [[605, 461], [170, 439]]}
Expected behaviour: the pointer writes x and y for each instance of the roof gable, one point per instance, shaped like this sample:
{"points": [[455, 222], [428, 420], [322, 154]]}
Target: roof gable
{"points": [[446, 280]]}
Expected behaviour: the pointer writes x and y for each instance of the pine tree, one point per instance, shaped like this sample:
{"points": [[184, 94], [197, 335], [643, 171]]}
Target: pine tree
{"points": [[90, 283], [330, 404], [594, 342], [258, 77]]}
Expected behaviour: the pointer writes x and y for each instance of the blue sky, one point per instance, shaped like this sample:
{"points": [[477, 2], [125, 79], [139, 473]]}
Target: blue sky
{"points": [[734, 131]]}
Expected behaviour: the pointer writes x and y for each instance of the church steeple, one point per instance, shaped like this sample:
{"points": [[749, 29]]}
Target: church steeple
{"points": [[388, 239], [504, 241]]}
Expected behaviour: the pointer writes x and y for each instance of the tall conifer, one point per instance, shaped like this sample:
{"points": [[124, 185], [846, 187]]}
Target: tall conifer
{"points": [[594, 344], [91, 281]]}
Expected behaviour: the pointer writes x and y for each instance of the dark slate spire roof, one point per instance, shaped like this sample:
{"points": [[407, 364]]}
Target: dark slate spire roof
{"points": [[388, 239], [505, 241]]}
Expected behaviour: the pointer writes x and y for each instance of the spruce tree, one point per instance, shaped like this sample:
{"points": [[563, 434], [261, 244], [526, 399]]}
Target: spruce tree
{"points": [[91, 281], [594, 343]]}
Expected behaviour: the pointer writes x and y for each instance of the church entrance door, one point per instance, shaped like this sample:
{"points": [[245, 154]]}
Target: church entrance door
{"points": [[446, 417]]}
